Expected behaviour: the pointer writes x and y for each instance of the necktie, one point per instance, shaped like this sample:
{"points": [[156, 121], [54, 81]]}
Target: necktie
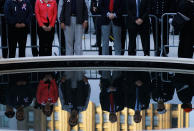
{"points": [[138, 7], [111, 102], [111, 5]]}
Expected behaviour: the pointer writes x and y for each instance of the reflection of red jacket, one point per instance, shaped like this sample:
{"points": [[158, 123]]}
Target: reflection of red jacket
{"points": [[44, 94], [46, 11]]}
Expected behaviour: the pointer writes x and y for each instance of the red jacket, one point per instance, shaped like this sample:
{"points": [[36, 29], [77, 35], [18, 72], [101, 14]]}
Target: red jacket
{"points": [[44, 10], [44, 95]]}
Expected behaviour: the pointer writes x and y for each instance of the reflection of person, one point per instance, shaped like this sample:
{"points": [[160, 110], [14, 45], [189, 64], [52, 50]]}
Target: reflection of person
{"points": [[137, 92], [46, 14], [19, 95], [161, 92], [18, 16], [186, 42], [74, 93], [111, 97], [184, 84], [47, 93], [138, 22]]}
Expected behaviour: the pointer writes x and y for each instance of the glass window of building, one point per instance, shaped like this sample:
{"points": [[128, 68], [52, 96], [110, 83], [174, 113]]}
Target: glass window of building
{"points": [[97, 118], [105, 117], [130, 120], [48, 118], [147, 120], [56, 115], [174, 107], [122, 119], [80, 118], [174, 122], [4, 121], [56, 104], [30, 116], [155, 120], [2, 107], [155, 106], [31, 129]]}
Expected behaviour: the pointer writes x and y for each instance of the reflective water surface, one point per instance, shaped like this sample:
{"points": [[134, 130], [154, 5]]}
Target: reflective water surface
{"points": [[95, 100]]}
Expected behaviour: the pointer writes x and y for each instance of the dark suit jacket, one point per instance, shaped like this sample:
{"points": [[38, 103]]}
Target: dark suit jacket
{"points": [[143, 12], [78, 97], [104, 9], [184, 87], [117, 95], [81, 12]]}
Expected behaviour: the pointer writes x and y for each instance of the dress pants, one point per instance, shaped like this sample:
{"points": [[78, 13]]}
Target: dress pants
{"points": [[4, 43], [106, 29], [186, 41], [73, 37], [17, 35], [33, 30], [45, 41], [62, 39], [145, 39]]}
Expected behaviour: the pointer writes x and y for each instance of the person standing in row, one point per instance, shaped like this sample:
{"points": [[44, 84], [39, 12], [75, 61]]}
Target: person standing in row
{"points": [[74, 19], [111, 11], [46, 14], [18, 15], [138, 23]]}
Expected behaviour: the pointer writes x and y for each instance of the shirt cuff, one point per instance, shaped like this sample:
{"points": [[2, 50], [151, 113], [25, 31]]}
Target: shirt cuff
{"points": [[108, 14]]}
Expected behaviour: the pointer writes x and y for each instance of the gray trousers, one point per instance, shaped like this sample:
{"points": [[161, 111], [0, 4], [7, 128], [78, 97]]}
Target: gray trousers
{"points": [[105, 38], [73, 38]]}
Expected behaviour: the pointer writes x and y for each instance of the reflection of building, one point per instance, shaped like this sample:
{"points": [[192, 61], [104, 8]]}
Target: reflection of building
{"points": [[93, 119], [6, 123]]}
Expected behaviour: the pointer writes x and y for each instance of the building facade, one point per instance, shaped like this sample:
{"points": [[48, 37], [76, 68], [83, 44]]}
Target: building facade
{"points": [[94, 119]]}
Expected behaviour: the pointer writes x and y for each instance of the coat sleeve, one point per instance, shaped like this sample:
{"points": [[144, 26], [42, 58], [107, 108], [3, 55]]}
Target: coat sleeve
{"points": [[85, 8], [60, 6], [52, 24], [8, 13], [38, 93], [55, 91], [62, 13], [145, 15], [102, 10], [37, 12], [30, 13]]}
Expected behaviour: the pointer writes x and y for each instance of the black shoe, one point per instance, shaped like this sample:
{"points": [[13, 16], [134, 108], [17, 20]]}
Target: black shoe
{"points": [[94, 33]]}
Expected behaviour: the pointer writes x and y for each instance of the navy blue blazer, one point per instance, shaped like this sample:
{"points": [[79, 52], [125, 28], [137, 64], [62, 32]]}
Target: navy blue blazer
{"points": [[104, 9]]}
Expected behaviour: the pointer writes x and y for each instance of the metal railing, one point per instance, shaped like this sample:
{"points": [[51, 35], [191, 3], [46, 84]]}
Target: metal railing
{"points": [[87, 43], [168, 44]]}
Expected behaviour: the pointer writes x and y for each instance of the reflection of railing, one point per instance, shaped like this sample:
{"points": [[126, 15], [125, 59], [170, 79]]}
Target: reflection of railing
{"points": [[168, 44]]}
